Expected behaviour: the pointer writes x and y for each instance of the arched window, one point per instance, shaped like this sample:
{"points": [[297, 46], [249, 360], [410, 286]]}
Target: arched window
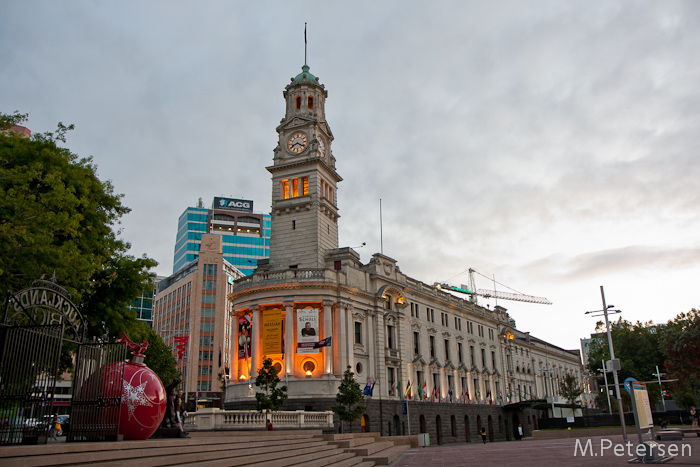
{"points": [[298, 102], [311, 102]]}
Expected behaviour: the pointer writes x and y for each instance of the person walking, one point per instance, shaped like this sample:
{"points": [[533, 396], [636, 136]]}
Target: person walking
{"points": [[483, 435], [694, 416], [54, 427], [520, 432]]}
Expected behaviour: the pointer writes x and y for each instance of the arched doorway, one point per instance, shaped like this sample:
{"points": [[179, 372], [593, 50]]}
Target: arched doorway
{"points": [[506, 427], [466, 428], [396, 425], [453, 426], [500, 425], [438, 429], [490, 428], [364, 424], [421, 423], [478, 424], [516, 422]]}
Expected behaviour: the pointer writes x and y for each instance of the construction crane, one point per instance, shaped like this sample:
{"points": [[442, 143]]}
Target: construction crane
{"points": [[472, 291]]}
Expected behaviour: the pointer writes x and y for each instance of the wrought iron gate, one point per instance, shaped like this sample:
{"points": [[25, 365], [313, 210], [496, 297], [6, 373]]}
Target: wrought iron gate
{"points": [[29, 358], [97, 391]]}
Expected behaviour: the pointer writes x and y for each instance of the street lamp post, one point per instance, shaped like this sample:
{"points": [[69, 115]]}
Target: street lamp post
{"points": [[607, 391], [612, 360], [658, 376]]}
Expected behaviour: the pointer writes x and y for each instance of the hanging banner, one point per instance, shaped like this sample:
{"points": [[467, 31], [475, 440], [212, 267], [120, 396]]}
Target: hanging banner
{"points": [[181, 346], [243, 338], [272, 332], [307, 330]]}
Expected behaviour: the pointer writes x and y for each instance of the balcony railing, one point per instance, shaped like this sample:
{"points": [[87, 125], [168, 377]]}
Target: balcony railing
{"points": [[217, 419]]}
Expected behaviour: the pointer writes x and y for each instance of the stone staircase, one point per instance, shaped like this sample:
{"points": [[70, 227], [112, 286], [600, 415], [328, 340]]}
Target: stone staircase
{"points": [[309, 448]]}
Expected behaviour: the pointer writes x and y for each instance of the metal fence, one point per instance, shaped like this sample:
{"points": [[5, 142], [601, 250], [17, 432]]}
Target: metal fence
{"points": [[97, 391], [29, 358]]}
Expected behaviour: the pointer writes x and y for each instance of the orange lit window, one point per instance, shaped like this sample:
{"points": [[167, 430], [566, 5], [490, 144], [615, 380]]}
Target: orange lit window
{"points": [[295, 187], [285, 189], [298, 101], [311, 102], [304, 186]]}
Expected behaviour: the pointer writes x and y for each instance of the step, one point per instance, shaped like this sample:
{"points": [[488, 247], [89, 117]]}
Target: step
{"points": [[148, 455], [369, 449], [300, 457], [387, 456], [232, 456], [352, 442]]}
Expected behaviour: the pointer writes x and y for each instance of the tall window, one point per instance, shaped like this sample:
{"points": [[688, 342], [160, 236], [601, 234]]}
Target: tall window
{"points": [[295, 187], [459, 351], [432, 346], [471, 354], [285, 189], [391, 337], [304, 186], [416, 343], [311, 102], [483, 358], [358, 333], [447, 350]]}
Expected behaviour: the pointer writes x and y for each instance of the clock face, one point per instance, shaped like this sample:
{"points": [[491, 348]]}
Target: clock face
{"points": [[321, 147], [296, 143]]}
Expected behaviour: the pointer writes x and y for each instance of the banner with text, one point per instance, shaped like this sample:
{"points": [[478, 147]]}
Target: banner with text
{"points": [[272, 332], [243, 338], [307, 330]]}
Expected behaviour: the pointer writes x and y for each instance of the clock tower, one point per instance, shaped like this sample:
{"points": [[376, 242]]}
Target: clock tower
{"points": [[304, 181]]}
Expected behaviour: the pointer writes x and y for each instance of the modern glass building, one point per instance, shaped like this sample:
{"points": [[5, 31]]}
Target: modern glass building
{"points": [[245, 234]]}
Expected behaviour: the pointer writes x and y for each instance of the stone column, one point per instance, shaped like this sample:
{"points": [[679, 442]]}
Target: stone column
{"points": [[289, 324], [327, 331], [341, 341], [371, 343], [235, 374], [256, 347], [470, 385], [350, 342]]}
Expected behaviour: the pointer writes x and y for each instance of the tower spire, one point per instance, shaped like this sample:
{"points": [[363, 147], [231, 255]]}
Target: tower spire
{"points": [[304, 43]]}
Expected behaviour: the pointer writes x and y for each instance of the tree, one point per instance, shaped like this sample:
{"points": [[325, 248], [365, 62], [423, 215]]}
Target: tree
{"points": [[273, 397], [348, 396], [57, 217], [570, 389], [637, 348], [680, 341]]}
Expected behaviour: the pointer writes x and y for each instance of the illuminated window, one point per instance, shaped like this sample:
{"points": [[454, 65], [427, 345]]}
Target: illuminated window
{"points": [[285, 189], [304, 186], [295, 187]]}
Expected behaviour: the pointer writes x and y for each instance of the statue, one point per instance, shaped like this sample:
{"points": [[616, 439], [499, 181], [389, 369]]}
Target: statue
{"points": [[171, 419]]}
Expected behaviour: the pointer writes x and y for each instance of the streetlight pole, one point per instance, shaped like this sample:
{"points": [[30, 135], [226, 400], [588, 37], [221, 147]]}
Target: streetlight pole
{"points": [[658, 376], [607, 391], [614, 370]]}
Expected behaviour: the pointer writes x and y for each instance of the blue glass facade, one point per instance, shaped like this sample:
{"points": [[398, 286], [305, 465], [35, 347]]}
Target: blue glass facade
{"points": [[242, 251]]}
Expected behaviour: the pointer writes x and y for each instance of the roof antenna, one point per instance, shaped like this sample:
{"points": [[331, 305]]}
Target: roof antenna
{"points": [[304, 43]]}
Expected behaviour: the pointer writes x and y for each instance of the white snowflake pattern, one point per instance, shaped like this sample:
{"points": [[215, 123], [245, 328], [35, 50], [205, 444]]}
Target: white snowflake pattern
{"points": [[135, 396]]}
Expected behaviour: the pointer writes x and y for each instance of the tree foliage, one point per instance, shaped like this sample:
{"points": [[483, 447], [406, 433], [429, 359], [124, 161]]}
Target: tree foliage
{"points": [[348, 396], [272, 397], [680, 341], [57, 217], [159, 357], [637, 348], [570, 389]]}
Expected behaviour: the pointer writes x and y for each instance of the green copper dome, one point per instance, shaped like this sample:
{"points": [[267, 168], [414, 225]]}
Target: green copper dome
{"points": [[305, 76]]}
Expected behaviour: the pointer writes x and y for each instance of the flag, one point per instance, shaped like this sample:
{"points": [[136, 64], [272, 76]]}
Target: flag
{"points": [[438, 393], [393, 388], [424, 395], [466, 394], [368, 386], [500, 399], [488, 394], [398, 389], [327, 342], [450, 394], [371, 388], [478, 395]]}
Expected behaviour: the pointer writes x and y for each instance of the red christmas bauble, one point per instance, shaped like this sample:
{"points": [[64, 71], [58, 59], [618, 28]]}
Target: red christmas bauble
{"points": [[143, 400]]}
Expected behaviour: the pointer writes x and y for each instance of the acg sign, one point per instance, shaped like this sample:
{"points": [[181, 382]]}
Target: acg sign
{"points": [[233, 204]]}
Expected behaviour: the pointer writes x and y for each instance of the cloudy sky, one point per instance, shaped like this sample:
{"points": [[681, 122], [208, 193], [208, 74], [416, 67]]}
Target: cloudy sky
{"points": [[552, 145]]}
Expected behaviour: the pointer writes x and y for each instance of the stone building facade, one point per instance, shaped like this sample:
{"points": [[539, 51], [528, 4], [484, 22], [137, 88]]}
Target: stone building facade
{"points": [[459, 365]]}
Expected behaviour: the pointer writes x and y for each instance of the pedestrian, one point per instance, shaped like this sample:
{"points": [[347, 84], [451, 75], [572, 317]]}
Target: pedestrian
{"points": [[55, 426], [520, 432], [694, 416], [269, 425], [483, 435]]}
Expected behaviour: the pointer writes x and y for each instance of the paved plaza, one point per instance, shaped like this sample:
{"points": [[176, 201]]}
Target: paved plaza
{"points": [[600, 451]]}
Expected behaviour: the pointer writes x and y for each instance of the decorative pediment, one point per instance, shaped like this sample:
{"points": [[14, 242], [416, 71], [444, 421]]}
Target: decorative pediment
{"points": [[432, 330], [459, 338], [358, 316], [416, 326], [474, 369], [471, 341], [396, 293], [419, 359], [496, 373], [449, 365], [462, 367], [492, 347], [486, 372], [434, 362], [446, 334]]}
